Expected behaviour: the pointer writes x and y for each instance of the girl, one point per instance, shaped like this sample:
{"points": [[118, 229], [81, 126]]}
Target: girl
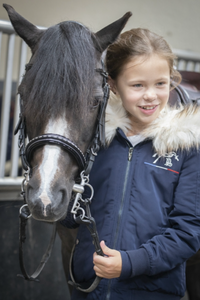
{"points": [[146, 181]]}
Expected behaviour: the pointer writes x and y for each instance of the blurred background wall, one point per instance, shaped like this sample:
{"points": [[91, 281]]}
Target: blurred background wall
{"points": [[176, 20]]}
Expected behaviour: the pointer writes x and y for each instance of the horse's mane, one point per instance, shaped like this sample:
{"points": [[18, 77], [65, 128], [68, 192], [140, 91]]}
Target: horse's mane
{"points": [[62, 72]]}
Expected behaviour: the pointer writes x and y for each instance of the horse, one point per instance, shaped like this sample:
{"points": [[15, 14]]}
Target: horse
{"points": [[61, 96]]}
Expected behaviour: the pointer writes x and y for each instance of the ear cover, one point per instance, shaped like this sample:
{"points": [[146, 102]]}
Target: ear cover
{"points": [[109, 34], [26, 30]]}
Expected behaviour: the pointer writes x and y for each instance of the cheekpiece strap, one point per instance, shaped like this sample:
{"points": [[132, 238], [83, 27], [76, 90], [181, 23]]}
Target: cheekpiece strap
{"points": [[21, 128], [99, 137]]}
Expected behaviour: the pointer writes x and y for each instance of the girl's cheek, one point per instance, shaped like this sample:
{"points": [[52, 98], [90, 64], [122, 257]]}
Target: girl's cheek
{"points": [[164, 94]]}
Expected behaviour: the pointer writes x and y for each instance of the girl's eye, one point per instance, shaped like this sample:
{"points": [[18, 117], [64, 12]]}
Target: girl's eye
{"points": [[161, 83], [137, 85]]}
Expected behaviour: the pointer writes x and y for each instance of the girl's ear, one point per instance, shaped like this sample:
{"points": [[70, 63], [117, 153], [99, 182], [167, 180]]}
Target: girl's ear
{"points": [[112, 84]]}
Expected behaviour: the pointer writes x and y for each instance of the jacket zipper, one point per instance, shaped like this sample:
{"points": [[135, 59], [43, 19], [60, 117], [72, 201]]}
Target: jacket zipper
{"points": [[130, 154]]}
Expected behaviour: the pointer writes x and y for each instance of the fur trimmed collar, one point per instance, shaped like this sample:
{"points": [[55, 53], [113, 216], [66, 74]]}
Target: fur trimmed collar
{"points": [[174, 128]]}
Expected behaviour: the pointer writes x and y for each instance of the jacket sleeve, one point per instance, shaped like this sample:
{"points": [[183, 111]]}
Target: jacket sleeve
{"points": [[182, 239]]}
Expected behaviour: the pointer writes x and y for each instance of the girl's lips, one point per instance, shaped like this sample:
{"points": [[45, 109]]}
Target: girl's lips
{"points": [[149, 110]]}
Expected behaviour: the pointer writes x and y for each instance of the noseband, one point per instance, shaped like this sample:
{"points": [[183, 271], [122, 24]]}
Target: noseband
{"points": [[58, 140], [84, 162]]}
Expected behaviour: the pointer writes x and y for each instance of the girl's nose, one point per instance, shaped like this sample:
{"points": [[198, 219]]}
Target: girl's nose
{"points": [[150, 95]]}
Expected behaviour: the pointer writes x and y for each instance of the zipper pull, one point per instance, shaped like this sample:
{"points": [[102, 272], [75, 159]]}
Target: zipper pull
{"points": [[130, 153]]}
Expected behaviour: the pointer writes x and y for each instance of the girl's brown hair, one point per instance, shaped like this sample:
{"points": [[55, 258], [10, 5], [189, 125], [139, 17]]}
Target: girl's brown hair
{"points": [[139, 42]]}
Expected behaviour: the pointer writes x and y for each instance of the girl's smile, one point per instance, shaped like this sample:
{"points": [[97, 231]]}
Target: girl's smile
{"points": [[148, 109], [143, 86]]}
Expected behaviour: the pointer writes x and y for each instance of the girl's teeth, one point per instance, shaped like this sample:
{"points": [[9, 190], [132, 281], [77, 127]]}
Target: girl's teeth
{"points": [[149, 107]]}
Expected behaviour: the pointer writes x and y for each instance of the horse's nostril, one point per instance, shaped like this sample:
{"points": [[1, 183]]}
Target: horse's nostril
{"points": [[63, 195]]}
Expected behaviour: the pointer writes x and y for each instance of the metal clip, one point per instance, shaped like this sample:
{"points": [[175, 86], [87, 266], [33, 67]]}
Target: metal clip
{"points": [[25, 212], [77, 209], [24, 182]]}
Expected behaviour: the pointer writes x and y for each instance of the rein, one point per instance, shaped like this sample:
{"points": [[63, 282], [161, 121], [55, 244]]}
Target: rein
{"points": [[81, 213]]}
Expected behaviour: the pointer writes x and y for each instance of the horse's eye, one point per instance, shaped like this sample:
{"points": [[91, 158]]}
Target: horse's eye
{"points": [[96, 101]]}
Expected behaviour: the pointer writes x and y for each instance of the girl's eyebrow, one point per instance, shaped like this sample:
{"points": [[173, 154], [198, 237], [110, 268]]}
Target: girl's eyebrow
{"points": [[138, 80], [164, 78]]}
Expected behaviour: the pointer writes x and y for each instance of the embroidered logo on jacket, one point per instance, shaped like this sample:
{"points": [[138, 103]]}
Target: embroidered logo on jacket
{"points": [[168, 157], [168, 162]]}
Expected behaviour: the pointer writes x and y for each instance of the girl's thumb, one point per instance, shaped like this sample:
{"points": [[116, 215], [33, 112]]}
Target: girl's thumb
{"points": [[105, 249]]}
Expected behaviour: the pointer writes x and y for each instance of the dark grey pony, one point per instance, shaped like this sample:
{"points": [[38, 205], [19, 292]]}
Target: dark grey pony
{"points": [[61, 92]]}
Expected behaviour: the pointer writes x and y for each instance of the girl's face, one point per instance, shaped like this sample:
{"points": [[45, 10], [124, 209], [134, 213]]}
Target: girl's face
{"points": [[143, 86]]}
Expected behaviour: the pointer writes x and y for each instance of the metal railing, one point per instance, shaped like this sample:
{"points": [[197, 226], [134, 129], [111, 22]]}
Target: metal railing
{"points": [[9, 167], [187, 61], [14, 54]]}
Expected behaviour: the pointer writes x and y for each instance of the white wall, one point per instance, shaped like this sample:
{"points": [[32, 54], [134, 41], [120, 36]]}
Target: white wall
{"points": [[177, 20]]}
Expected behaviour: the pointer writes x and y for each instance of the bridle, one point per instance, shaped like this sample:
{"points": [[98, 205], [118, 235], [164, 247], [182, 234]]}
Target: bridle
{"points": [[80, 212]]}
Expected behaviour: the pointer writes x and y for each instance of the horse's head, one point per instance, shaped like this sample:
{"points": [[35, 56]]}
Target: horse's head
{"points": [[61, 92]]}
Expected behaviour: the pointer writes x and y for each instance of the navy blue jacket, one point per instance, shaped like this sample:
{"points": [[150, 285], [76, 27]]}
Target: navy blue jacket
{"points": [[148, 208]]}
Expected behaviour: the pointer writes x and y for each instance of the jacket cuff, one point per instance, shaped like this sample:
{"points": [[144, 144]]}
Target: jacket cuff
{"points": [[140, 263], [126, 265]]}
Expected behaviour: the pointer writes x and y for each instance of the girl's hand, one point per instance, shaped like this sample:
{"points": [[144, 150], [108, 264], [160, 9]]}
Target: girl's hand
{"points": [[109, 266]]}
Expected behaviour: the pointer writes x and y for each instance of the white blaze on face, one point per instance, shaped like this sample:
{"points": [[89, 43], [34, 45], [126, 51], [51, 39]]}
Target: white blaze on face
{"points": [[49, 165]]}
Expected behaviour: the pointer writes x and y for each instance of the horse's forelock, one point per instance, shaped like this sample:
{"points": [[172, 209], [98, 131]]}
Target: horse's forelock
{"points": [[62, 73]]}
